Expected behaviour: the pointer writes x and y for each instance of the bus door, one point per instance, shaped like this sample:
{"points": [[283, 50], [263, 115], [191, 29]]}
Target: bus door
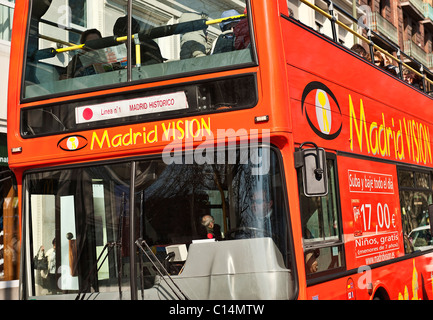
{"points": [[78, 231]]}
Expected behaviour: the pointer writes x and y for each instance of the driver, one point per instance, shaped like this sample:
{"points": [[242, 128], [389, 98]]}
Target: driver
{"points": [[210, 229]]}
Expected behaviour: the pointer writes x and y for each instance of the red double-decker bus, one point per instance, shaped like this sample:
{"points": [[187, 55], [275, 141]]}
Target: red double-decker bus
{"points": [[202, 150]]}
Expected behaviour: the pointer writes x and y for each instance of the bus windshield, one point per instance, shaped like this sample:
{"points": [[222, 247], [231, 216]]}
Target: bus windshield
{"points": [[219, 228], [83, 44]]}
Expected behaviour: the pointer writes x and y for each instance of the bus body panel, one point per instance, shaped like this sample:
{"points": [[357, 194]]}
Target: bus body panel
{"points": [[367, 113], [405, 280]]}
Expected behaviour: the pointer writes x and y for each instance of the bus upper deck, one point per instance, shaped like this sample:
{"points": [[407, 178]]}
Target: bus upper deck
{"points": [[186, 43], [194, 41]]}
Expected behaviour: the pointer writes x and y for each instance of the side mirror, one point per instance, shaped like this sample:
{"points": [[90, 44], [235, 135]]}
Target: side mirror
{"points": [[314, 170]]}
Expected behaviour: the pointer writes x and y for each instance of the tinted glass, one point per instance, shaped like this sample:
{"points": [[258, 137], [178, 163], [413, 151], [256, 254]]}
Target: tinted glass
{"points": [[81, 44], [185, 210]]}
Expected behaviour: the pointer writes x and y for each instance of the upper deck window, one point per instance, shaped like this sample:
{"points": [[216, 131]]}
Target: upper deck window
{"points": [[77, 44]]}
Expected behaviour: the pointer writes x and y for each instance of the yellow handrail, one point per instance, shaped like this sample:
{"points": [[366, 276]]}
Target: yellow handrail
{"points": [[71, 48], [341, 24], [65, 43], [215, 21], [125, 38]]}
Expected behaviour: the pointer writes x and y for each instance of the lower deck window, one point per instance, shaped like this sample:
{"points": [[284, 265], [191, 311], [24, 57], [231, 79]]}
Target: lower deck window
{"points": [[80, 227], [323, 245], [415, 197]]}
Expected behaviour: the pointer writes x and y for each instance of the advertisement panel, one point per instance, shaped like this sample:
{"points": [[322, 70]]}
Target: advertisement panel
{"points": [[371, 211]]}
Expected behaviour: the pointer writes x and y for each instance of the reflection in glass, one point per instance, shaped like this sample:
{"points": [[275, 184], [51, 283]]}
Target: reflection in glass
{"points": [[74, 214], [170, 38], [415, 197], [185, 211], [323, 245]]}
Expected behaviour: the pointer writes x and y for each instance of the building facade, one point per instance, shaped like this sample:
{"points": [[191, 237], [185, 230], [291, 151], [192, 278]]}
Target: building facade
{"points": [[405, 24], [6, 18]]}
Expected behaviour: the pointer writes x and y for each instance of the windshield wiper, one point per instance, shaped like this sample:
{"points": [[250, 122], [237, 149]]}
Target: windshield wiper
{"points": [[161, 269]]}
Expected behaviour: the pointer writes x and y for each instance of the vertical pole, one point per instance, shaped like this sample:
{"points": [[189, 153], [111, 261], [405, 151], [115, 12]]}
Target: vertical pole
{"points": [[400, 65], [132, 235], [129, 42], [331, 12], [421, 70], [355, 26], [370, 44]]}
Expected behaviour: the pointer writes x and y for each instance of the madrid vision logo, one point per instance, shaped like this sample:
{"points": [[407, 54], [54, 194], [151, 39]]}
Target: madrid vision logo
{"points": [[322, 110], [72, 143]]}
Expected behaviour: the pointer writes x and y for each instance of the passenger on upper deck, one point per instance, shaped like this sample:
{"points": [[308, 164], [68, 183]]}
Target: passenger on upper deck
{"points": [[242, 34], [75, 67], [226, 40], [235, 33], [390, 67], [384, 62], [358, 49], [150, 51], [193, 44], [379, 59], [410, 77]]}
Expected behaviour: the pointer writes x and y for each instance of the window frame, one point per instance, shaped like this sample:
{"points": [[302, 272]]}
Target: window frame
{"points": [[313, 278], [130, 81], [27, 271], [414, 189], [188, 87]]}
